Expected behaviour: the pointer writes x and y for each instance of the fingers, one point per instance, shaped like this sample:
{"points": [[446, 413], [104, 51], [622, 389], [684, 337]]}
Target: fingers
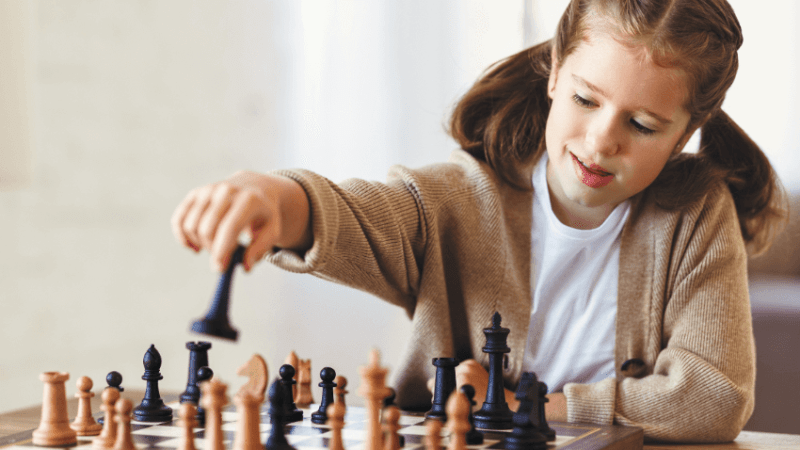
{"points": [[247, 209]]}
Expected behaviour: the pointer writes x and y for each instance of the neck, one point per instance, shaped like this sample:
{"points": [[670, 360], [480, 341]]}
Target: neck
{"points": [[573, 214]]}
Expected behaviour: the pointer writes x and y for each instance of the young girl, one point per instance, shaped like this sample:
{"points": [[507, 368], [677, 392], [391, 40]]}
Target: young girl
{"points": [[619, 262]]}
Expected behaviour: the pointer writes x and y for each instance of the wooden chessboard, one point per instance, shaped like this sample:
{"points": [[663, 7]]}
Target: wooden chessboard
{"points": [[307, 435]]}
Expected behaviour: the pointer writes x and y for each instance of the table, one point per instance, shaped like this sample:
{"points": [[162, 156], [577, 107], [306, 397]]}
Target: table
{"points": [[27, 419]]}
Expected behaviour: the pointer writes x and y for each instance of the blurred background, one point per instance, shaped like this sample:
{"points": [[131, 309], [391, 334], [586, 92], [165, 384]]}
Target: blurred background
{"points": [[111, 111]]}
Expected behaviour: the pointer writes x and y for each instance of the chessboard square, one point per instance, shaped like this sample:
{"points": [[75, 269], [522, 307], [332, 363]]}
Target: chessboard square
{"points": [[159, 430], [419, 430], [562, 441], [305, 430], [150, 441], [316, 443], [230, 416], [227, 436], [353, 434], [411, 420]]}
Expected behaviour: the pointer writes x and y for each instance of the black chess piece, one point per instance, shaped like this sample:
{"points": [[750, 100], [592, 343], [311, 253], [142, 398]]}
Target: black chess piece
{"points": [[474, 437], [203, 374], [495, 414], [293, 414], [445, 385], [114, 380], [198, 357], [277, 434], [152, 408], [526, 434], [544, 428], [216, 322], [321, 416]]}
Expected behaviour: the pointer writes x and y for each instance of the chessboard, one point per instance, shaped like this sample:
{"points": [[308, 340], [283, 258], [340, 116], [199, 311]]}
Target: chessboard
{"points": [[306, 435]]}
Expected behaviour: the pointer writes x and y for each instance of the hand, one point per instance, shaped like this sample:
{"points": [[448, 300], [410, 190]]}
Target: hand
{"points": [[273, 209], [472, 372], [556, 408]]}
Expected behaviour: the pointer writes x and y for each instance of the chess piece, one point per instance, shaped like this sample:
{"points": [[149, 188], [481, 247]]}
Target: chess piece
{"points": [[213, 399], [327, 375], [247, 427], [445, 384], [495, 414], [152, 408], [255, 369], [54, 429], [277, 438], [291, 359], [526, 435], [108, 435], [387, 402], [391, 426], [187, 414], [474, 437], [84, 424], [304, 396], [293, 414], [544, 428], [433, 437], [198, 357], [458, 420], [216, 322], [336, 412], [373, 390], [340, 390], [123, 417], [203, 374], [114, 380]]}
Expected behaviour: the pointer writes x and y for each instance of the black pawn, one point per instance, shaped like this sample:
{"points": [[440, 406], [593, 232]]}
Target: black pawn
{"points": [[445, 385], [198, 357], [526, 434], [203, 374], [321, 416], [114, 380], [152, 408], [277, 437], [287, 381], [495, 414], [544, 428], [474, 437], [216, 322]]}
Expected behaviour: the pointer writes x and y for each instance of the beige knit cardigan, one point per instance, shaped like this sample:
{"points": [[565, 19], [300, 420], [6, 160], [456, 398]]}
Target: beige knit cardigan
{"points": [[450, 243]]}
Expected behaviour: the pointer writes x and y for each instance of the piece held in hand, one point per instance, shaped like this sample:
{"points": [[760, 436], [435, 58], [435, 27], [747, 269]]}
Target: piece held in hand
{"points": [[84, 424], [445, 384], [526, 434], [327, 375], [216, 322], [54, 429], [495, 414], [152, 408]]}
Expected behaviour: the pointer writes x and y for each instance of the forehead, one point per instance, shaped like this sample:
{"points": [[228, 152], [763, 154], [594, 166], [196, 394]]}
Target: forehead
{"points": [[627, 73]]}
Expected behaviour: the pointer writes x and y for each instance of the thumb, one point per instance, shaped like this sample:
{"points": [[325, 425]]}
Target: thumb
{"points": [[262, 242]]}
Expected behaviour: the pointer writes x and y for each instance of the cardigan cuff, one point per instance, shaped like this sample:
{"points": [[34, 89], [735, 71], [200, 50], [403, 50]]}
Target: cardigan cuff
{"points": [[593, 403], [324, 218]]}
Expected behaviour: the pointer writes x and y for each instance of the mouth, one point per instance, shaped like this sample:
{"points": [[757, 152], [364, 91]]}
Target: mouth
{"points": [[593, 175]]}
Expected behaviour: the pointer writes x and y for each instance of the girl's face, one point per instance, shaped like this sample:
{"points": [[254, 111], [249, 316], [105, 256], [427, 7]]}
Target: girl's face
{"points": [[615, 119]]}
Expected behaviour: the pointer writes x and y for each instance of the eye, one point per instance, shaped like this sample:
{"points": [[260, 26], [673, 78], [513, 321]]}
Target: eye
{"points": [[582, 101], [641, 128]]}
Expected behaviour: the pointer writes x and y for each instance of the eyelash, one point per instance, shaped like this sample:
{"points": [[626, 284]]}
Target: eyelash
{"points": [[636, 125]]}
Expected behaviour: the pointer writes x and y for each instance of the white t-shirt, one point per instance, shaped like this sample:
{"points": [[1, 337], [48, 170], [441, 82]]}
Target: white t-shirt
{"points": [[574, 280]]}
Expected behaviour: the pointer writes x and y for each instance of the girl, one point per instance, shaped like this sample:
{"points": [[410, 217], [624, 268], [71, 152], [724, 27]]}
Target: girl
{"points": [[619, 262]]}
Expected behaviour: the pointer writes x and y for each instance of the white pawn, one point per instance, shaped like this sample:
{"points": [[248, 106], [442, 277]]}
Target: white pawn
{"points": [[248, 435], [109, 433], [434, 437], [84, 424], [336, 412], [188, 423], [458, 420], [124, 439], [213, 399], [391, 417]]}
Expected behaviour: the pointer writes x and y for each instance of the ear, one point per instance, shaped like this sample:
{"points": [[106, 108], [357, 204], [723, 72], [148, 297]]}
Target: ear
{"points": [[551, 80]]}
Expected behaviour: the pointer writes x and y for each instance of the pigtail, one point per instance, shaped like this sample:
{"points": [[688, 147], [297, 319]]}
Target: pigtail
{"points": [[760, 199], [502, 118]]}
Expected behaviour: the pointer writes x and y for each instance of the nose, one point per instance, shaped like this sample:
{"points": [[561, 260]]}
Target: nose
{"points": [[602, 135]]}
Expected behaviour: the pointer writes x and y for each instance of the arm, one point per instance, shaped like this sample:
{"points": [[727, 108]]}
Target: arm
{"points": [[694, 333]]}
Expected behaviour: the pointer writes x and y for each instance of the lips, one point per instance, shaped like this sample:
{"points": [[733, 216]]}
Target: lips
{"points": [[593, 175]]}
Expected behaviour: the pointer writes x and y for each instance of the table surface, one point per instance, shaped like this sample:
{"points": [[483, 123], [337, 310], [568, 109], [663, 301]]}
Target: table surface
{"points": [[28, 419]]}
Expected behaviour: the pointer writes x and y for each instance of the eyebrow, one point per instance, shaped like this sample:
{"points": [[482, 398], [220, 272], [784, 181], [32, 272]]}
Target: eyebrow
{"points": [[579, 80]]}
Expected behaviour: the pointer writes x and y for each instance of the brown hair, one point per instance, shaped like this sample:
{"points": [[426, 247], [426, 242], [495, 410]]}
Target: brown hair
{"points": [[502, 118]]}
